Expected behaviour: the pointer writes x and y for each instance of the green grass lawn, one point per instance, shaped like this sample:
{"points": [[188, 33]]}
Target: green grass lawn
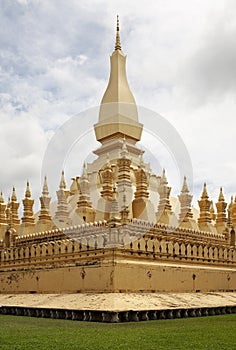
{"points": [[205, 333]]}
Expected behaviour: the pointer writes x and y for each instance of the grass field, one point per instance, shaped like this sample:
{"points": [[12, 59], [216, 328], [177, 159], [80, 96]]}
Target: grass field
{"points": [[205, 333]]}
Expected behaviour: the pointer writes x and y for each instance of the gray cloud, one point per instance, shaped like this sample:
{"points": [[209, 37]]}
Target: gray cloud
{"points": [[210, 69]]}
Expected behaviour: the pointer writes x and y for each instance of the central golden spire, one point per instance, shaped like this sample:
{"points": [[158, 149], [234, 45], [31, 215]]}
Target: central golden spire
{"points": [[118, 115]]}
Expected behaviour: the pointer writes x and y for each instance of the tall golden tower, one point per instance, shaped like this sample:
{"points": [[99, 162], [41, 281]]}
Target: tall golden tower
{"points": [[84, 205], [205, 217], [118, 116], [164, 211], [15, 221], [186, 215], [28, 214], [45, 220], [62, 214], [221, 219]]}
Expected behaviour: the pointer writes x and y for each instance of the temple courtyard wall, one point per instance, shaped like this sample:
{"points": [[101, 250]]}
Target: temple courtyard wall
{"points": [[114, 270], [125, 259]]}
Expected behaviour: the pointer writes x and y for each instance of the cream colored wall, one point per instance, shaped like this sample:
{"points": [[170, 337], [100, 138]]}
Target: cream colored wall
{"points": [[133, 277], [116, 275], [58, 280]]}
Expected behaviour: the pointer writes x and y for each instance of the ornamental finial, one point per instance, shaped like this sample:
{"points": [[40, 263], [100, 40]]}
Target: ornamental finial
{"points": [[117, 45]]}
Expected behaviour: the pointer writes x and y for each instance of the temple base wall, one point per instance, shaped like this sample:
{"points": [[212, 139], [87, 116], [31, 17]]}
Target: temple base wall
{"points": [[58, 280], [133, 277], [119, 275]]}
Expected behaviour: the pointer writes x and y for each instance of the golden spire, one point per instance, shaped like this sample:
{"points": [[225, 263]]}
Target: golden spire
{"points": [[118, 113], [230, 213], [13, 196], [62, 185], [45, 191], [185, 199], [14, 205], [117, 45], [85, 171], [205, 206], [44, 215], [163, 177], [221, 196], [164, 210], [221, 212], [62, 213], [185, 186], [28, 213], [204, 192], [84, 205], [1, 198], [8, 210], [27, 192]]}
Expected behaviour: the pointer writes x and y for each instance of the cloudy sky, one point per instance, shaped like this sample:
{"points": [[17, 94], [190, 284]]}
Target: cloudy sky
{"points": [[54, 64]]}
